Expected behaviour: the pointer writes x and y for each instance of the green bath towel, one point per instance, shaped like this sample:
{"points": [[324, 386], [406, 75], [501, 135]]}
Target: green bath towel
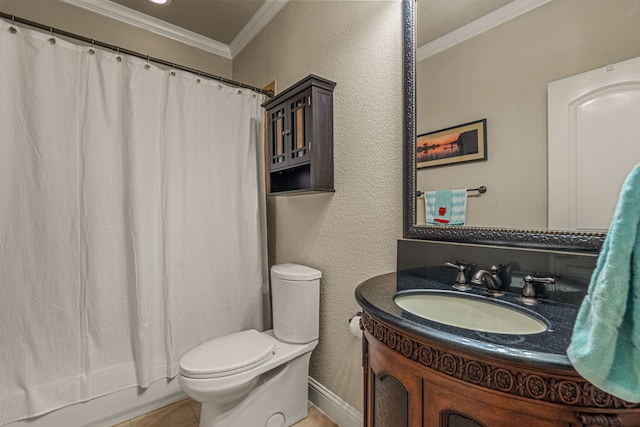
{"points": [[605, 346]]}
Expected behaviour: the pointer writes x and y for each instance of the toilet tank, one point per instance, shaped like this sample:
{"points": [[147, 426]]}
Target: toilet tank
{"points": [[295, 301]]}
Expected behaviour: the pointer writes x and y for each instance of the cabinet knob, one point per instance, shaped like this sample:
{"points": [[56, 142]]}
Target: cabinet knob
{"points": [[286, 132]]}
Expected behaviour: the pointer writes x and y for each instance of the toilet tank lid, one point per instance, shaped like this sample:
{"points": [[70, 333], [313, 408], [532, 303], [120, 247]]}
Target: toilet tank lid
{"points": [[295, 272]]}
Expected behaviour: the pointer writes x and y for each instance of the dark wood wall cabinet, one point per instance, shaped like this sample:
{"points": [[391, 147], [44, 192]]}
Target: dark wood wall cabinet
{"points": [[300, 138], [411, 381]]}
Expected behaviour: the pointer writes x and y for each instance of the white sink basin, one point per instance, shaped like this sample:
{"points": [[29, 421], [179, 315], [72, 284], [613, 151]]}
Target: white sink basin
{"points": [[470, 312]]}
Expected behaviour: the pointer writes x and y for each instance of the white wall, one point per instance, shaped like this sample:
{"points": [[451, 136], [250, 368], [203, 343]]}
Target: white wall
{"points": [[349, 235]]}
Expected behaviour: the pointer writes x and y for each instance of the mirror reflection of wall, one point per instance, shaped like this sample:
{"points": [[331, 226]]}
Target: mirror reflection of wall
{"points": [[502, 75]]}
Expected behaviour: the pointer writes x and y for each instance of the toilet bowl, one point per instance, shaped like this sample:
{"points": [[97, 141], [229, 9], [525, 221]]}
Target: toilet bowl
{"points": [[253, 378]]}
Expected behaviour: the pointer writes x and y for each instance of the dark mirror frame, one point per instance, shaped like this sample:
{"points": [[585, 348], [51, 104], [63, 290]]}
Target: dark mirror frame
{"points": [[532, 239]]}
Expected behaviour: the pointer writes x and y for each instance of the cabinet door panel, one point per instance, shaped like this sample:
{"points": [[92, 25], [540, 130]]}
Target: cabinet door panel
{"points": [[278, 157], [301, 131], [390, 402], [394, 394]]}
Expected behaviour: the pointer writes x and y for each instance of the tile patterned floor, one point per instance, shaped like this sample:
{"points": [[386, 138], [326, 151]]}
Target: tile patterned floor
{"points": [[186, 413]]}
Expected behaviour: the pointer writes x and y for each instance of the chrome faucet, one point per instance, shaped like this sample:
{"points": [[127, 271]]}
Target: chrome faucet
{"points": [[490, 279]]}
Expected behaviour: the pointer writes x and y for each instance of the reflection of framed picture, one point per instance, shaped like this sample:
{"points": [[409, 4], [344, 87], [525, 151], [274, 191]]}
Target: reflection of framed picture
{"points": [[463, 143]]}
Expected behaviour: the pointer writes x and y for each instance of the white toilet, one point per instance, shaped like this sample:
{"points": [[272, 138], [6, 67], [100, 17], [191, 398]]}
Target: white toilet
{"points": [[256, 379]]}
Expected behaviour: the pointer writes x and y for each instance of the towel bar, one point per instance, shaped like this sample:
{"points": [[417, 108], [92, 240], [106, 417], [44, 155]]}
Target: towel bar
{"points": [[481, 190]]}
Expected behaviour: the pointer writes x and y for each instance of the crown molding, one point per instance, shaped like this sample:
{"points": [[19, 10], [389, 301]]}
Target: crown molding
{"points": [[479, 26], [258, 21], [154, 25]]}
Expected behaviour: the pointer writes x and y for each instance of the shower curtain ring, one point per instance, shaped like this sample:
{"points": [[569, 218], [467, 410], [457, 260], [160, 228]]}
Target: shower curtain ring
{"points": [[52, 40], [12, 29], [118, 57], [91, 50], [173, 73]]}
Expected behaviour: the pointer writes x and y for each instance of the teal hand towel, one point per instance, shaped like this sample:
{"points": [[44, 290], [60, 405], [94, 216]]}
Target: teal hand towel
{"points": [[443, 206], [458, 207], [446, 207], [433, 201], [605, 345], [430, 207]]}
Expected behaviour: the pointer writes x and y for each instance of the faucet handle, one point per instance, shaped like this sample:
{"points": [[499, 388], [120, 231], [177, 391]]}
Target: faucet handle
{"points": [[452, 265], [461, 280], [529, 295], [547, 280]]}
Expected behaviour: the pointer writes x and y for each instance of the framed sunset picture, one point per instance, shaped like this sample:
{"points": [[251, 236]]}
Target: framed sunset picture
{"points": [[462, 143]]}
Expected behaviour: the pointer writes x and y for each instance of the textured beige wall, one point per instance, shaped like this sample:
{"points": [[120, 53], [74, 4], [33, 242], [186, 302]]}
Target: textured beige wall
{"points": [[349, 235], [502, 75], [63, 16]]}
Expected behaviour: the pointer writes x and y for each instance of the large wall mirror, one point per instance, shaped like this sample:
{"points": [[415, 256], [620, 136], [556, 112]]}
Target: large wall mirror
{"points": [[493, 59]]}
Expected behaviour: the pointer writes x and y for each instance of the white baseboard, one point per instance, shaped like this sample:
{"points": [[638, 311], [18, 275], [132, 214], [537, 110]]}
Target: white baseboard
{"points": [[333, 406]]}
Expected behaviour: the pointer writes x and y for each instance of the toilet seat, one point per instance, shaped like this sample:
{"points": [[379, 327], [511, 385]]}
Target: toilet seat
{"points": [[228, 355]]}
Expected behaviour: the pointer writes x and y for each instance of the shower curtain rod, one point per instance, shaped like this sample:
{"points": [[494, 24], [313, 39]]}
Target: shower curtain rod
{"points": [[12, 18]]}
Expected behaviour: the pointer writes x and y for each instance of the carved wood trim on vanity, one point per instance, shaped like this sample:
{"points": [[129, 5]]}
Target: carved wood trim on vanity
{"points": [[550, 386]]}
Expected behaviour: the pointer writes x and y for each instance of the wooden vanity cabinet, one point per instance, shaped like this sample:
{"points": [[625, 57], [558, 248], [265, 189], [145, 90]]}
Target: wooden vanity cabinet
{"points": [[414, 382], [300, 138]]}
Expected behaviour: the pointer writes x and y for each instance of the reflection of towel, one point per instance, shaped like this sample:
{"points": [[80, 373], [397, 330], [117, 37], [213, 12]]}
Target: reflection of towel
{"points": [[443, 207], [605, 347], [458, 207], [446, 207]]}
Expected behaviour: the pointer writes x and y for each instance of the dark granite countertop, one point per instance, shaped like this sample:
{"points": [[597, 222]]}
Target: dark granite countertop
{"points": [[545, 350]]}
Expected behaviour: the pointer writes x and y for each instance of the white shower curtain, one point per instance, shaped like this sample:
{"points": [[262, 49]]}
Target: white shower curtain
{"points": [[131, 220]]}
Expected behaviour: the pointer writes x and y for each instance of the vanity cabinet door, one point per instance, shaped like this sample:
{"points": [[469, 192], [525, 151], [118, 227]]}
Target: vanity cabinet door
{"points": [[393, 392], [449, 403]]}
